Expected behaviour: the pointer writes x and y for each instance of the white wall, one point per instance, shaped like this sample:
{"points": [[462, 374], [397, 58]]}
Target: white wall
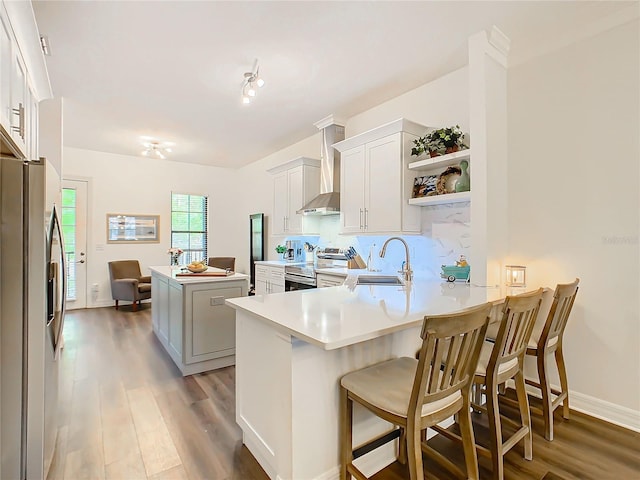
{"points": [[50, 115], [125, 184], [256, 185], [573, 201]]}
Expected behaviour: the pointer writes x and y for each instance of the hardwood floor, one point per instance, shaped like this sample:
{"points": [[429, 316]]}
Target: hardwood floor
{"points": [[127, 413]]}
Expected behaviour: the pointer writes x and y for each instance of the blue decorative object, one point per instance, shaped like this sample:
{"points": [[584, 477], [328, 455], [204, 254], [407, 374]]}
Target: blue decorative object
{"points": [[454, 272]]}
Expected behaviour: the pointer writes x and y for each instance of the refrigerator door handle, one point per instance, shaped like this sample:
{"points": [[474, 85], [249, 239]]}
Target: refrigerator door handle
{"points": [[63, 280], [57, 290]]}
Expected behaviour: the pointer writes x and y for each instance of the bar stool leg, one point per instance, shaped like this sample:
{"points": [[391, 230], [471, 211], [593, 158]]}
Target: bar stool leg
{"points": [[547, 401], [468, 441], [346, 446], [564, 385], [495, 432], [525, 415], [402, 445], [414, 451]]}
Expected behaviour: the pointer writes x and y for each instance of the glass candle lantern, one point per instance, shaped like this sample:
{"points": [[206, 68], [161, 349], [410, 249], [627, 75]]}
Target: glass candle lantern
{"points": [[516, 276]]}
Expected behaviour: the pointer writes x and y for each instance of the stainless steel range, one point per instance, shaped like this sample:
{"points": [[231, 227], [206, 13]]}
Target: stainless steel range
{"points": [[299, 277]]}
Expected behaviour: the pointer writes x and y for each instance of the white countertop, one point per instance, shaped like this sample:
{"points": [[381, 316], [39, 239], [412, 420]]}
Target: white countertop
{"points": [[170, 272], [339, 316], [279, 263]]}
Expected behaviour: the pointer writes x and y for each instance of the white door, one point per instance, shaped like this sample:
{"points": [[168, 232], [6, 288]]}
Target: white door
{"points": [[74, 230]]}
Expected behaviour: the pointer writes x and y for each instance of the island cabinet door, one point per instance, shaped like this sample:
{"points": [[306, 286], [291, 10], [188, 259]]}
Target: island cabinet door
{"points": [[160, 307], [210, 327]]}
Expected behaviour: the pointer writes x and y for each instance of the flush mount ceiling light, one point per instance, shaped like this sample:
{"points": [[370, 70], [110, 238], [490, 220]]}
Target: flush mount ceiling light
{"points": [[154, 148], [252, 81]]}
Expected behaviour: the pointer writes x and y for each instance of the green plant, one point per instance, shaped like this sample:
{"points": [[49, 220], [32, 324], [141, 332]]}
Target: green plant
{"points": [[281, 249], [439, 141]]}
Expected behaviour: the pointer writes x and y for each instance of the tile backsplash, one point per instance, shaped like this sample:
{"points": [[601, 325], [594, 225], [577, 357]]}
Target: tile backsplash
{"points": [[446, 234]]}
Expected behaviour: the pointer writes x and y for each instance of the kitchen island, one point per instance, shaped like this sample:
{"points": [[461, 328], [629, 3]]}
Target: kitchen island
{"points": [[292, 348], [190, 317]]}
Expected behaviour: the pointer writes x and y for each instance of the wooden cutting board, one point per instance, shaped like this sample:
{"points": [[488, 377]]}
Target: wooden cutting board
{"points": [[205, 274]]}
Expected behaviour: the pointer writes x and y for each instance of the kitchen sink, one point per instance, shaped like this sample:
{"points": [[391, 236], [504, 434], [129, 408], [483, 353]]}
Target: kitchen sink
{"points": [[379, 280]]}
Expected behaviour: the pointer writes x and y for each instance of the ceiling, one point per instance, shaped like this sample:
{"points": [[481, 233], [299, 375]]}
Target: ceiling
{"points": [[173, 70]]}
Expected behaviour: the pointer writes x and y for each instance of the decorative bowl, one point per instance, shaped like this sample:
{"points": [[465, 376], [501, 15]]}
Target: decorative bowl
{"points": [[447, 180], [197, 269]]}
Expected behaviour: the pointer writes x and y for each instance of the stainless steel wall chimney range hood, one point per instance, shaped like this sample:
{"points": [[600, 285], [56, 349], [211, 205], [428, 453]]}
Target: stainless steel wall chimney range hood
{"points": [[328, 202]]}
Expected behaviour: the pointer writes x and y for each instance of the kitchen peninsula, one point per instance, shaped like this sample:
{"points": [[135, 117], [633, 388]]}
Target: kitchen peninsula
{"points": [[190, 317], [292, 348]]}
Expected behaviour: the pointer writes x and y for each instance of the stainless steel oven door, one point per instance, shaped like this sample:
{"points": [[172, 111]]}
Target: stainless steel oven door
{"points": [[297, 282]]}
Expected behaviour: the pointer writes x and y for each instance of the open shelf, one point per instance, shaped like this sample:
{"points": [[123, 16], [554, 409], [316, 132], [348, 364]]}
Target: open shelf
{"points": [[441, 161], [440, 199]]}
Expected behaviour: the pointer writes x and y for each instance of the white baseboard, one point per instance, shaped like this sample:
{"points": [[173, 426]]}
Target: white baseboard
{"points": [[109, 303], [609, 412]]}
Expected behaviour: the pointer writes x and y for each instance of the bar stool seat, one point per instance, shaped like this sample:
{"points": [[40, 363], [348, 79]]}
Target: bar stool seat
{"points": [[388, 386]]}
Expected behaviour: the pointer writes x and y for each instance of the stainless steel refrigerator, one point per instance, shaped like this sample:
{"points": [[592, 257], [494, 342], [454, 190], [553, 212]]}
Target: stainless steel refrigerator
{"points": [[32, 291]]}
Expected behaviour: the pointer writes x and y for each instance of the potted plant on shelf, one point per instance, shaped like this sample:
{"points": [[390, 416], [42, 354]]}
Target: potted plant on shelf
{"points": [[439, 142]]}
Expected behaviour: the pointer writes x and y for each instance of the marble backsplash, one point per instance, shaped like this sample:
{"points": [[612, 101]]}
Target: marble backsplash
{"points": [[446, 234]]}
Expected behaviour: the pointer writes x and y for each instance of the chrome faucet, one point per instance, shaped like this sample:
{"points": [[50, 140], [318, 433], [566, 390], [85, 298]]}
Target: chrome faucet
{"points": [[406, 266]]}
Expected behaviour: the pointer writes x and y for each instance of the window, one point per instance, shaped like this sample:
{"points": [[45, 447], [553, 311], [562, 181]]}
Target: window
{"points": [[189, 226], [68, 225]]}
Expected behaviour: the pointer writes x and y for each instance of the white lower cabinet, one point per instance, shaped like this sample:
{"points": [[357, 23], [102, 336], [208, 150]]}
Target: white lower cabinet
{"points": [[324, 280], [269, 279]]}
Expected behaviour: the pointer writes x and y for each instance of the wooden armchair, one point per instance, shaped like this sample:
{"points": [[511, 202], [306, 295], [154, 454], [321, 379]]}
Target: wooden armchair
{"points": [[128, 283]]}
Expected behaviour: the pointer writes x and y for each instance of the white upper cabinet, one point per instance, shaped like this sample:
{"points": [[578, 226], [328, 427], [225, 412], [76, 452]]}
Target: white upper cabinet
{"points": [[22, 69], [294, 184], [18, 123], [6, 47], [352, 174], [374, 180]]}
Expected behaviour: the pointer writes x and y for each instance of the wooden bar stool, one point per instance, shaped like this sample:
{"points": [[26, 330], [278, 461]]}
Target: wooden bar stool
{"points": [[545, 340], [414, 394], [501, 361]]}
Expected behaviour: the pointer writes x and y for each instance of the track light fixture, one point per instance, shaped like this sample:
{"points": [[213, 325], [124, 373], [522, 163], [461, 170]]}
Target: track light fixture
{"points": [[252, 81], [155, 148]]}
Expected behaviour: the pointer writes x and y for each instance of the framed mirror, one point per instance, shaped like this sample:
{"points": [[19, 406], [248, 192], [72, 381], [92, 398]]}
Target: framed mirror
{"points": [[131, 228]]}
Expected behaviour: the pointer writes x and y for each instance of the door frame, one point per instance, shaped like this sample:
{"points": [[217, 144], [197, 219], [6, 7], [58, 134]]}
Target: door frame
{"points": [[88, 230]]}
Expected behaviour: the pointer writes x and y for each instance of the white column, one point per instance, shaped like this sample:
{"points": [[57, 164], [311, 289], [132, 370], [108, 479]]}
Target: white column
{"points": [[488, 135]]}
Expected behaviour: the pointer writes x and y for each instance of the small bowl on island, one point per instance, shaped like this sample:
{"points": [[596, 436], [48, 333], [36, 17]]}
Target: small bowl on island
{"points": [[197, 267]]}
